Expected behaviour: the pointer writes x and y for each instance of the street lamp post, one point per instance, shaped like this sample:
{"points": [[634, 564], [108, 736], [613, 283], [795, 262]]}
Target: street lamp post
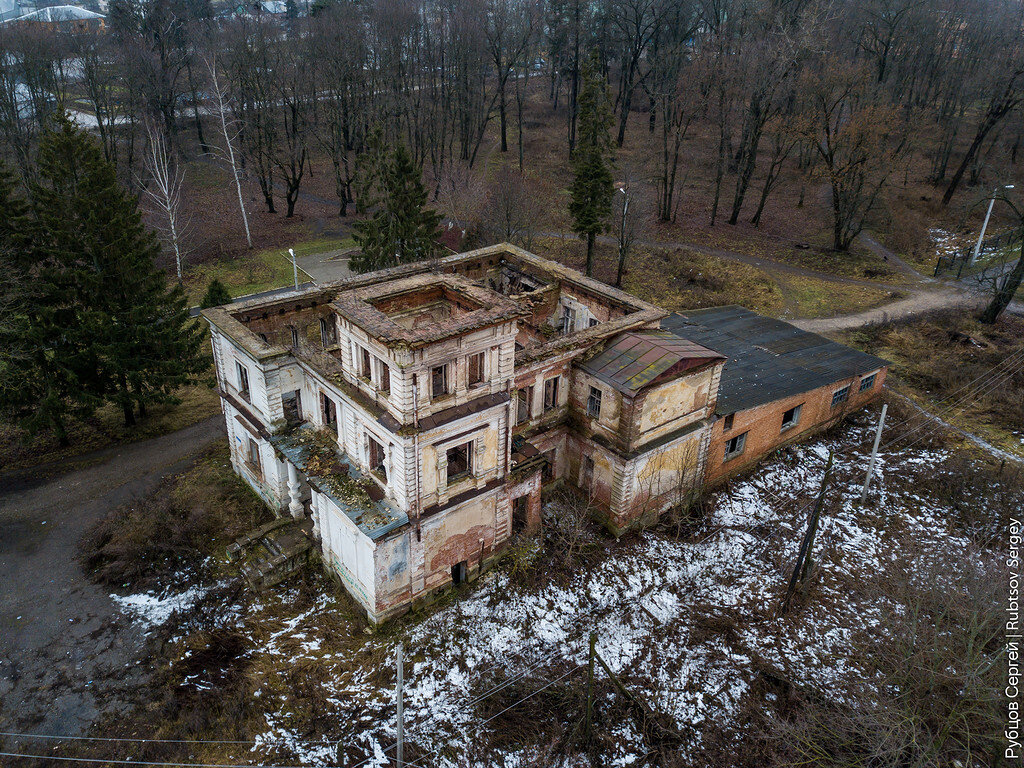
{"points": [[295, 268], [981, 237], [622, 234]]}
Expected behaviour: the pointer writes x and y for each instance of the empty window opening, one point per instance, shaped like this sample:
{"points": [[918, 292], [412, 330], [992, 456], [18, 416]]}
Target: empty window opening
{"points": [[592, 322], [291, 403], [364, 363], [460, 462], [459, 572], [376, 458], [243, 381], [476, 369], [568, 320], [328, 333], [520, 513], [295, 336], [734, 447], [791, 417], [551, 394], [439, 381], [253, 457], [328, 413], [867, 383], [263, 338], [385, 378], [594, 403], [840, 396], [524, 406], [728, 422]]}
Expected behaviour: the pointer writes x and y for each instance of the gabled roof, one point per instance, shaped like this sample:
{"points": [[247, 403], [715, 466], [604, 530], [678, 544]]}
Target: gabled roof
{"points": [[637, 359], [768, 359], [56, 13]]}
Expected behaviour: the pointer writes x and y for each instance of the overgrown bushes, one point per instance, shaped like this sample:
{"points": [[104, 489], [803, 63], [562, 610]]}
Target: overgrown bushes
{"points": [[185, 520]]}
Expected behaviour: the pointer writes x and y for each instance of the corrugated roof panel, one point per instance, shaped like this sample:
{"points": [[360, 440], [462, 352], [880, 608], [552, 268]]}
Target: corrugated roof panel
{"points": [[634, 359]]}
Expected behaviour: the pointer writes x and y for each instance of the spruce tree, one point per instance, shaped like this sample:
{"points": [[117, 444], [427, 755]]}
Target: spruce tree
{"points": [[216, 295], [142, 344], [592, 160], [47, 368], [401, 228]]}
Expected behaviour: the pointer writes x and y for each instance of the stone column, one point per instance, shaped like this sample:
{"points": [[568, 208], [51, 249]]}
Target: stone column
{"points": [[314, 512], [295, 505]]}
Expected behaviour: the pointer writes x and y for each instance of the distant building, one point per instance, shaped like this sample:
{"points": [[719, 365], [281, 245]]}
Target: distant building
{"points": [[415, 414], [64, 17]]}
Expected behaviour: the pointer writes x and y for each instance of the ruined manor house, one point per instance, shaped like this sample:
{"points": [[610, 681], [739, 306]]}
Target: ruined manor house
{"points": [[412, 418]]}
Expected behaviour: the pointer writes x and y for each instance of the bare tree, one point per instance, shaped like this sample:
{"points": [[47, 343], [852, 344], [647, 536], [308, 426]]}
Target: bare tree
{"points": [[162, 188], [512, 208], [229, 132]]}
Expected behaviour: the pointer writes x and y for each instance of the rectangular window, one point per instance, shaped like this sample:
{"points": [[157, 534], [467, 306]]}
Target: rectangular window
{"points": [[328, 413], [734, 446], [524, 406], [295, 336], [791, 417], [376, 459], [594, 403], [476, 369], [328, 333], [291, 404], [385, 378], [728, 422], [568, 320], [253, 457], [364, 363], [439, 381], [460, 462], [867, 383], [520, 513], [840, 396], [243, 381], [551, 394]]}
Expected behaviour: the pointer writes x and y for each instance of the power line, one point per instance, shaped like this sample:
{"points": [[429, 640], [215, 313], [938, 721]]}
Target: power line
{"points": [[166, 764], [145, 741]]}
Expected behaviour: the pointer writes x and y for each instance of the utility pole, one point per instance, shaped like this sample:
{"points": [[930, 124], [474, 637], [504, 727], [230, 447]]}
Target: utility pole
{"points": [[590, 689], [874, 454], [295, 268], [977, 247], [401, 713], [803, 559]]}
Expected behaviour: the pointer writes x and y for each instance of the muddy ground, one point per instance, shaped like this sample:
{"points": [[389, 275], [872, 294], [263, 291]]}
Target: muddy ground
{"points": [[68, 655]]}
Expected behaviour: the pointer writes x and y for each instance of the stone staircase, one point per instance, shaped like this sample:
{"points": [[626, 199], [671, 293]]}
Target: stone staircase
{"points": [[273, 552]]}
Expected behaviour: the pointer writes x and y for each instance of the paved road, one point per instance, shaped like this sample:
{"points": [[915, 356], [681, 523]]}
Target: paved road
{"points": [[65, 650]]}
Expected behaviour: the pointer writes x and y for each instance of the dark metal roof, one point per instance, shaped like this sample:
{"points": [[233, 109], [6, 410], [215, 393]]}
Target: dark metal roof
{"points": [[768, 359], [634, 360]]}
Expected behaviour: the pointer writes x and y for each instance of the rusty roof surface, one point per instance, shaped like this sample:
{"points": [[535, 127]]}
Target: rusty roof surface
{"points": [[635, 359]]}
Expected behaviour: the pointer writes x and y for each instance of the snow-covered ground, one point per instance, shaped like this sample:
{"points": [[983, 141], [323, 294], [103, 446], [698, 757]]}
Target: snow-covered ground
{"points": [[689, 624]]}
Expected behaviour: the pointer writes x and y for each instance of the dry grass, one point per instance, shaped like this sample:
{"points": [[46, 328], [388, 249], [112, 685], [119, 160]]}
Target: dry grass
{"points": [[809, 297], [187, 518], [105, 428], [945, 360]]}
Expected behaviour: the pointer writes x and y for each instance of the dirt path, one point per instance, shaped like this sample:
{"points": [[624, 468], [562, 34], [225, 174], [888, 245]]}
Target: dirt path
{"points": [[66, 652]]}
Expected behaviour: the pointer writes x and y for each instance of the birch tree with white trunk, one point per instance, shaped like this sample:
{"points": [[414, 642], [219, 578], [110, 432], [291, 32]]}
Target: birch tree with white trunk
{"points": [[226, 123], [162, 188]]}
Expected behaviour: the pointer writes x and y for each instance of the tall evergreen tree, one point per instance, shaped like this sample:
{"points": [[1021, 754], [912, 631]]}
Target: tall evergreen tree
{"points": [[401, 228], [102, 324], [46, 365], [592, 160]]}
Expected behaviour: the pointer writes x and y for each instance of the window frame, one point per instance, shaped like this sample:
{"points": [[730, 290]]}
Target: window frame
{"points": [[524, 397], [384, 377], [841, 395], [796, 410], [445, 382], [466, 473], [867, 382], [253, 458], [553, 382], [328, 333], [378, 470], [481, 360], [740, 441], [594, 402], [242, 376]]}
